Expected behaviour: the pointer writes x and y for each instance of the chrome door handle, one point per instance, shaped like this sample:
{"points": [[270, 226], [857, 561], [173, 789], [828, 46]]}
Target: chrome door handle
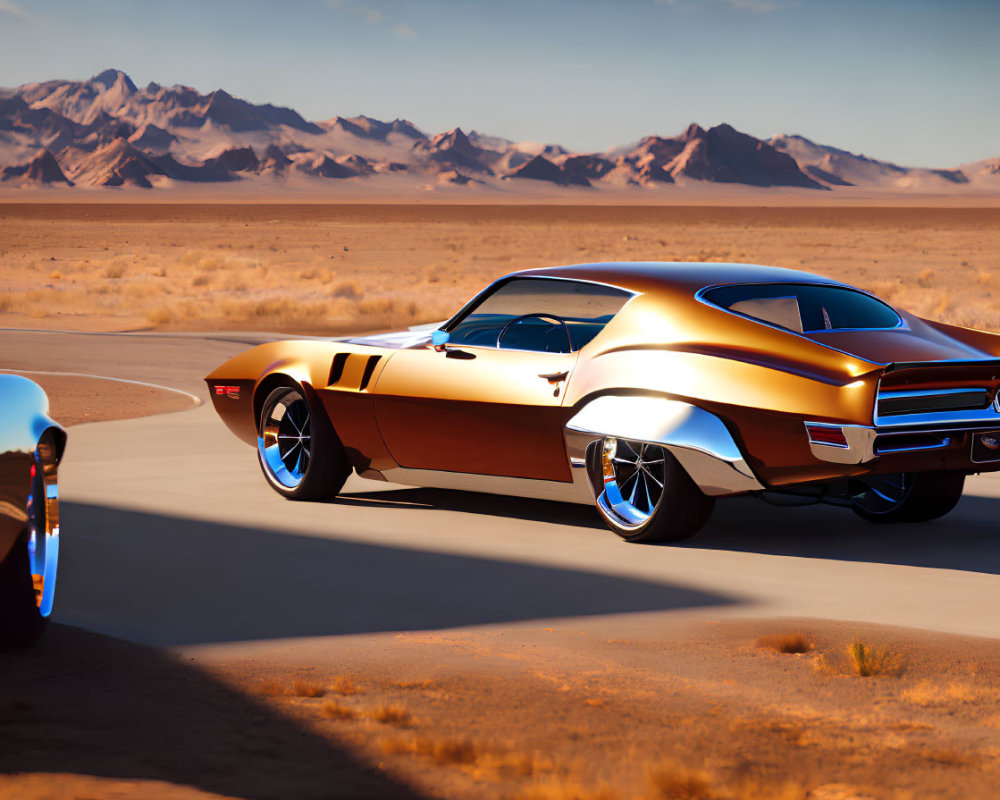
{"points": [[554, 377]]}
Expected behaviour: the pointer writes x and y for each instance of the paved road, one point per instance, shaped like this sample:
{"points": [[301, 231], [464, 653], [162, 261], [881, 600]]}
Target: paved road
{"points": [[171, 538]]}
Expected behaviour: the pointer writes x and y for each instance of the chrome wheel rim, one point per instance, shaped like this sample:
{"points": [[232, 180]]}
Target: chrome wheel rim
{"points": [[43, 528], [285, 438], [634, 475], [883, 493]]}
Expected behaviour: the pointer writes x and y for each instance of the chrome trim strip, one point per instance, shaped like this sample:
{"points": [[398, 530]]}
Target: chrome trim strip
{"points": [[576, 491], [893, 393], [972, 417], [945, 441]]}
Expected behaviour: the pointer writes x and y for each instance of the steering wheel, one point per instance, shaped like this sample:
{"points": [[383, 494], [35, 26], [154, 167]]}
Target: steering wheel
{"points": [[552, 319]]}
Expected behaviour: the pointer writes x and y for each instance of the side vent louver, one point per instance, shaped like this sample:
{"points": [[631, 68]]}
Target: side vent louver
{"points": [[369, 371], [337, 368]]}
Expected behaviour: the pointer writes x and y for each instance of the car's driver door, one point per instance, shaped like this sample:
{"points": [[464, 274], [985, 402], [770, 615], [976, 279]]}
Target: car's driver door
{"points": [[490, 400], [476, 409]]}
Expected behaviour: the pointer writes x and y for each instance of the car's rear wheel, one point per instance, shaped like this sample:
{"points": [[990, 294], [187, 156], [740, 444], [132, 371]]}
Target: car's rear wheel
{"points": [[28, 573], [299, 451], [907, 496], [644, 494]]}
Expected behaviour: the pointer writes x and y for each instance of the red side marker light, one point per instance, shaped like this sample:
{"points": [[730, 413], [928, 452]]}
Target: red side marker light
{"points": [[228, 391], [830, 435]]}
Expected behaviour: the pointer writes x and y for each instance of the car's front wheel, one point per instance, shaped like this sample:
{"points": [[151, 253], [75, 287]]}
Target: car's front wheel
{"points": [[299, 451], [907, 496], [644, 494], [28, 573]]}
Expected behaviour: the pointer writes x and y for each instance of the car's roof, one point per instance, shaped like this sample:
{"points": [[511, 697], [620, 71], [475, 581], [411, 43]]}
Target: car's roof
{"points": [[651, 276]]}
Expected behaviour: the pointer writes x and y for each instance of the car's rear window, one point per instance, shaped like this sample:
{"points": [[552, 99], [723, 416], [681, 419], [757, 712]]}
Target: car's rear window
{"points": [[805, 308]]}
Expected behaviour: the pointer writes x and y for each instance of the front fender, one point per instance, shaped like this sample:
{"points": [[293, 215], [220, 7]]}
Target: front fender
{"points": [[699, 440]]}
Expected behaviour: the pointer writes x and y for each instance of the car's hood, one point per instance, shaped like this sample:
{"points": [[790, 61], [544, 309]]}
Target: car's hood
{"points": [[902, 344]]}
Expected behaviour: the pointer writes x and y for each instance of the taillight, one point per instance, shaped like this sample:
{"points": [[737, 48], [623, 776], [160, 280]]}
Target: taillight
{"points": [[228, 391], [830, 435]]}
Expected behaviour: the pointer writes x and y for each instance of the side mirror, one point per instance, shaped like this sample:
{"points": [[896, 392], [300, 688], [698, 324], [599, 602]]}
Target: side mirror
{"points": [[439, 339]]}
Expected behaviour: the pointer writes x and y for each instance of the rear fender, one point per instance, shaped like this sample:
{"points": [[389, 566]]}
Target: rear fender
{"points": [[699, 440]]}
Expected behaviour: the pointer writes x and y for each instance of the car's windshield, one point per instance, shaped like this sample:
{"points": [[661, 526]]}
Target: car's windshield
{"points": [[541, 314], [805, 308]]}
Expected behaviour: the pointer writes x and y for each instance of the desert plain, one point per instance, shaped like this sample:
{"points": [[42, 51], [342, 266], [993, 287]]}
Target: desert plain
{"points": [[142, 689]]}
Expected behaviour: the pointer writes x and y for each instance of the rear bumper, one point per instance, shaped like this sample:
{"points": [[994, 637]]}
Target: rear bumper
{"points": [[911, 448]]}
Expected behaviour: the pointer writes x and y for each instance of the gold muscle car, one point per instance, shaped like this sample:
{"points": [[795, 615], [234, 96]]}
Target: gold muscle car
{"points": [[31, 446], [649, 389]]}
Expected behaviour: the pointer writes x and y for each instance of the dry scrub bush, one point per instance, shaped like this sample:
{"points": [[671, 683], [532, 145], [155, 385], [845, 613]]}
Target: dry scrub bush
{"points": [[350, 290], [333, 710], [443, 752], [344, 685], [159, 316], [925, 277], [670, 780], [868, 660], [114, 270], [303, 689], [397, 716], [790, 643]]}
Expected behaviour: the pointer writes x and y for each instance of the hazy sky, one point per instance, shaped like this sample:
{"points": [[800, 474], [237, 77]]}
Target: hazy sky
{"points": [[911, 81]]}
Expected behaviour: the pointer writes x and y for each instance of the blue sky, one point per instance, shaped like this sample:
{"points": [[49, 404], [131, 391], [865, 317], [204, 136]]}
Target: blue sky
{"points": [[911, 81]]}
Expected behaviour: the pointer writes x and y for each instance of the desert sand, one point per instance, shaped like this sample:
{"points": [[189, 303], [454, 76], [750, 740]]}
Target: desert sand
{"points": [[324, 269]]}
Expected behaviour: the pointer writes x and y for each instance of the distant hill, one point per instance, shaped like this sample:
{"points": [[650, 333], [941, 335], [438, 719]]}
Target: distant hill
{"points": [[106, 131]]}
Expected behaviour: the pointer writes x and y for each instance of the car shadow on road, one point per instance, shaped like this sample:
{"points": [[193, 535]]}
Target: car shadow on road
{"points": [[165, 581], [491, 505], [966, 539], [81, 703]]}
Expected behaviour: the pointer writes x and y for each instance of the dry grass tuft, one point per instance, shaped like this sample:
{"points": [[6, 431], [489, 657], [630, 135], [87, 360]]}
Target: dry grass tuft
{"points": [[926, 277], [670, 780], [344, 685], [333, 710], [565, 789], [868, 660], [443, 752], [397, 716], [927, 693], [427, 683], [791, 643], [303, 689]]}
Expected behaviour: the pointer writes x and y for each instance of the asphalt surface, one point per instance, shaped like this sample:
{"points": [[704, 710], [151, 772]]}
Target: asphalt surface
{"points": [[172, 538]]}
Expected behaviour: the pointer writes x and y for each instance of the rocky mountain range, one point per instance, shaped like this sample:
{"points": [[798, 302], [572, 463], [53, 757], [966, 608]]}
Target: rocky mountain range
{"points": [[106, 131]]}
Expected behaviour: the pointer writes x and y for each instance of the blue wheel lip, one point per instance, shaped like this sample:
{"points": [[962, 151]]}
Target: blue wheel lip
{"points": [[271, 457], [43, 545]]}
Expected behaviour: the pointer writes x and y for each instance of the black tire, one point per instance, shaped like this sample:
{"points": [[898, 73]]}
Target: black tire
{"points": [[907, 497], [680, 510], [327, 468], [21, 624], [21, 621]]}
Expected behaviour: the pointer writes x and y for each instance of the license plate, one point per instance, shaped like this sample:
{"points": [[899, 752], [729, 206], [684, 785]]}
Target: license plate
{"points": [[986, 446]]}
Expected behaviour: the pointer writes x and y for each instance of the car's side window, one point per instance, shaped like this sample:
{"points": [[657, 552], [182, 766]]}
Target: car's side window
{"points": [[539, 314]]}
